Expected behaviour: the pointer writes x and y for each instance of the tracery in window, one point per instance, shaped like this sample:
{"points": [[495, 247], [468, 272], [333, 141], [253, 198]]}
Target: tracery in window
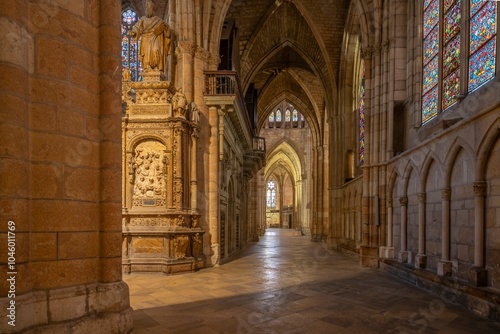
{"points": [[441, 82], [271, 194], [130, 46]]}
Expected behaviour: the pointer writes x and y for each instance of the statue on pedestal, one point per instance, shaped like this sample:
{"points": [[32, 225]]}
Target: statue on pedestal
{"points": [[180, 104], [154, 36]]}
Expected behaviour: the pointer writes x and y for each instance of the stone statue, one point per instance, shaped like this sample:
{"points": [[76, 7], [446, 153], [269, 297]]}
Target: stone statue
{"points": [[180, 103], [195, 113], [197, 245], [126, 74], [154, 36]]}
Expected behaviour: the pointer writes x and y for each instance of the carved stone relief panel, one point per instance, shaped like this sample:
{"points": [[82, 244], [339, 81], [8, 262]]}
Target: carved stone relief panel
{"points": [[149, 168]]}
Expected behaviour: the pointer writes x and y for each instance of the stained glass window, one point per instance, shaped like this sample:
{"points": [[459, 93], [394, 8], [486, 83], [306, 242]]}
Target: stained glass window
{"points": [[451, 57], [295, 116], [362, 115], [483, 29], [431, 59], [271, 118], [278, 115], [271, 194], [287, 115], [130, 47]]}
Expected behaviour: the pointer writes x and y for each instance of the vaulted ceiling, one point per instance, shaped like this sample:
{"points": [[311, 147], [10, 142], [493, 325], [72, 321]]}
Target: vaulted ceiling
{"points": [[288, 48]]}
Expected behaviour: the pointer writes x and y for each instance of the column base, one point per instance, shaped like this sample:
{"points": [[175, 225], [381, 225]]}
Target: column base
{"points": [[478, 276], [403, 256], [254, 237], [444, 268], [368, 257], [93, 308], [420, 261], [386, 252]]}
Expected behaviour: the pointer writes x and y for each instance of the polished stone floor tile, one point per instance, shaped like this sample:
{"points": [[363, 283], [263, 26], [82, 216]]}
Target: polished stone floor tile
{"points": [[287, 284]]}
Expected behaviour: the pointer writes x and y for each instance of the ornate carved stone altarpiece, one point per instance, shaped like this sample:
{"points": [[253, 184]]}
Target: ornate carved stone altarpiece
{"points": [[161, 231]]}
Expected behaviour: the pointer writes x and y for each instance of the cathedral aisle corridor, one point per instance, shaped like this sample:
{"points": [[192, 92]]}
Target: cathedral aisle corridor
{"points": [[286, 284]]}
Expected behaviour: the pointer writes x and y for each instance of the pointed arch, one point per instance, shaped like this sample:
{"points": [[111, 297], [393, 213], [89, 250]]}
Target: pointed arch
{"points": [[430, 158], [485, 147], [456, 147]]}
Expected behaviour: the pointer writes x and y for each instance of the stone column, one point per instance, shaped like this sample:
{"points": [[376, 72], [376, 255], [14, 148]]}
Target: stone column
{"points": [[403, 253], [421, 258], [212, 178], [478, 274], [444, 267], [194, 170], [388, 251]]}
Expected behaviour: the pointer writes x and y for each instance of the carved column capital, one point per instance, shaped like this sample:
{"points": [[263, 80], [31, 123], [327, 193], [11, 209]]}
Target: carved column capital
{"points": [[403, 200], [389, 203], [480, 188], [422, 197], [185, 47], [446, 194], [386, 46], [214, 61], [202, 54]]}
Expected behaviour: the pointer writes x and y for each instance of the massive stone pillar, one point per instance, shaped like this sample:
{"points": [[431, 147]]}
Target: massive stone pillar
{"points": [[60, 172]]}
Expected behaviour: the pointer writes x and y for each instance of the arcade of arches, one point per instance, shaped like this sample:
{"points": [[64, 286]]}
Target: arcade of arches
{"points": [[370, 126]]}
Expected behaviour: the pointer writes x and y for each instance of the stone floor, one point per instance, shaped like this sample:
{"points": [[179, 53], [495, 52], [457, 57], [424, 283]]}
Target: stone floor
{"points": [[287, 284]]}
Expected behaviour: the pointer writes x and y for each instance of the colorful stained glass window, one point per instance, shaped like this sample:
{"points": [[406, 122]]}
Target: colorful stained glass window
{"points": [[288, 115], [483, 29], [451, 54], [483, 26], [451, 59], [482, 65], [431, 16], [130, 46], [295, 115], [452, 22], [362, 100], [431, 59], [271, 118], [431, 72], [271, 194], [278, 115], [431, 44], [429, 105]]}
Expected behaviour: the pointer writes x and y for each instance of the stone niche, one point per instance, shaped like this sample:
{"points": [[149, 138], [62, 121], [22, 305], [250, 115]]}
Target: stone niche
{"points": [[161, 231]]}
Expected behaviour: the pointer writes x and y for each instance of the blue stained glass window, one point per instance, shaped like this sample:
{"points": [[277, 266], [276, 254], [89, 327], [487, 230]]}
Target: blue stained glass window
{"points": [[482, 65], [287, 115], [130, 47], [295, 116], [483, 26]]}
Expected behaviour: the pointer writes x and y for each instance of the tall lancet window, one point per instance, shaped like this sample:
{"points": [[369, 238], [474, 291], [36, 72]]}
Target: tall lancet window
{"points": [[431, 60], [130, 47], [483, 32], [361, 115], [442, 85], [271, 194]]}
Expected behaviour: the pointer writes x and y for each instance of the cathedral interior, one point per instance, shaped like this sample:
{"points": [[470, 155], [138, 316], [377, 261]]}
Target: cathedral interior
{"points": [[163, 159]]}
